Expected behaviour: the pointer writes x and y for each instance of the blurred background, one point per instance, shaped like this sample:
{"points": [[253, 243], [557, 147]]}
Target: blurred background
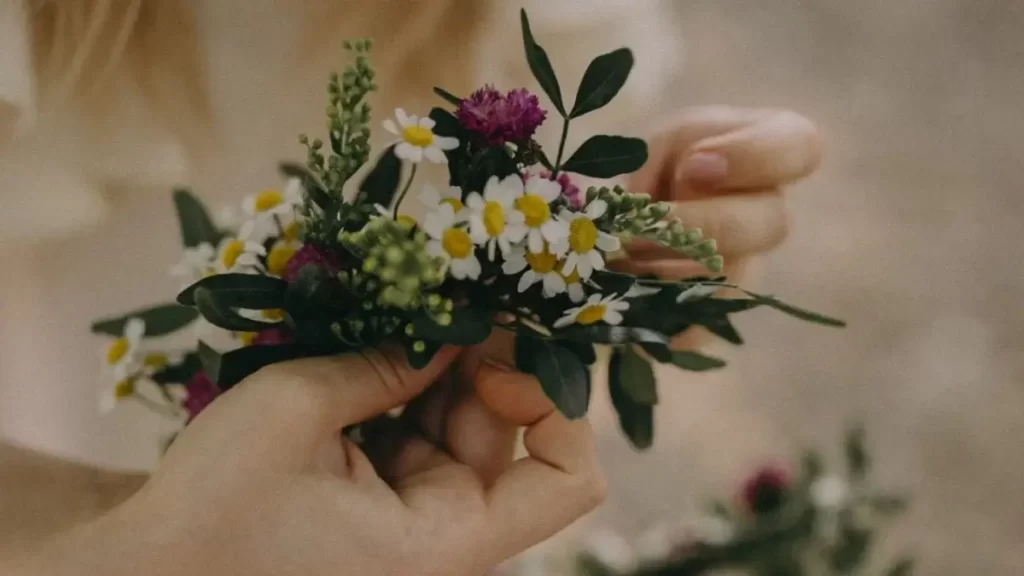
{"points": [[907, 231]]}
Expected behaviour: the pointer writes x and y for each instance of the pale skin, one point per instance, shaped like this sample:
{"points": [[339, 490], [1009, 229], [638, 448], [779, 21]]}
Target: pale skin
{"points": [[295, 499]]}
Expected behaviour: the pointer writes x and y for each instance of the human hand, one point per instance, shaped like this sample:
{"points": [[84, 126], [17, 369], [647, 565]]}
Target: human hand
{"points": [[263, 483]]}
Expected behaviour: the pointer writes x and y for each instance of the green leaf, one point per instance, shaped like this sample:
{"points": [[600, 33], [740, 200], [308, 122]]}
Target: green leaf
{"points": [[252, 291], [853, 548], [448, 96], [540, 65], [210, 361], [902, 567], [420, 359], [469, 326], [583, 350], [223, 316], [236, 365], [604, 156], [811, 466], [635, 419], [605, 334], [796, 312], [602, 81], [310, 182], [381, 182], [695, 361], [857, 461], [195, 223], [636, 376], [179, 373], [160, 320], [564, 378], [723, 328]]}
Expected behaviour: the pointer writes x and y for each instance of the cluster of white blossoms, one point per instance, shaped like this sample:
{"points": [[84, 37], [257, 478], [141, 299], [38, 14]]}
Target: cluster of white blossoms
{"points": [[128, 361]]}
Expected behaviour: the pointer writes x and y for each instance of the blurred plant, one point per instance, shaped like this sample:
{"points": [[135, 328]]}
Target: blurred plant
{"points": [[818, 523]]}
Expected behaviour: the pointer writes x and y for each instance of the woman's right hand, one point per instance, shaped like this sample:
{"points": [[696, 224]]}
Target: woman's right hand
{"points": [[263, 482]]}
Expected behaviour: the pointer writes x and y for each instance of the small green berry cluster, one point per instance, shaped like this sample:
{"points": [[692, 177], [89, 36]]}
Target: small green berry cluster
{"points": [[636, 216], [396, 254], [348, 121]]}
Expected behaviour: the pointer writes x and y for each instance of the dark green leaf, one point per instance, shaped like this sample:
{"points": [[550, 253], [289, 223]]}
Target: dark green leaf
{"points": [[604, 156], [469, 326], [236, 365], [852, 549], [636, 376], [811, 466], [602, 81], [195, 223], [160, 320], [419, 359], [381, 183], [796, 312], [695, 361], [583, 350], [252, 291], [313, 186], [210, 360], [902, 567], [635, 419], [605, 334], [445, 124], [179, 373], [223, 316], [540, 65], [448, 96], [857, 461], [723, 328], [564, 378], [542, 157]]}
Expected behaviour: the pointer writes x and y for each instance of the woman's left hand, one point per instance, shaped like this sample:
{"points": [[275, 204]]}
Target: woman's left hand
{"points": [[724, 170]]}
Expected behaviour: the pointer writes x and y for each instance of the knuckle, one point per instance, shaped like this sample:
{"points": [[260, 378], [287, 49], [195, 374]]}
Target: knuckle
{"points": [[594, 489]]}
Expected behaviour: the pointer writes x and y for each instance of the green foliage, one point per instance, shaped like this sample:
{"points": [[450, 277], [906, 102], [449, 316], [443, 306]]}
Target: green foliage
{"points": [[635, 418], [314, 188], [466, 327], [180, 372], [232, 367], [447, 96], [381, 183], [603, 79], [251, 291], [636, 375], [857, 462], [540, 65], [160, 320], [563, 377], [194, 221], [221, 315], [607, 156]]}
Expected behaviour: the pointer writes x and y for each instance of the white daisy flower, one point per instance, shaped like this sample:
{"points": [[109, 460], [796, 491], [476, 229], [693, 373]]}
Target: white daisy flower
{"points": [[573, 283], [540, 267], [432, 197], [533, 200], [493, 221], [383, 212], [829, 493], [124, 362], [584, 242], [608, 309], [451, 242], [697, 291], [416, 139], [196, 263], [270, 210], [234, 255]]}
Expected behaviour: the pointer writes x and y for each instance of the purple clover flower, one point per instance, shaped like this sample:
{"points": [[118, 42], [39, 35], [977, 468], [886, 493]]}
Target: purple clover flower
{"points": [[330, 260], [500, 118], [570, 191], [200, 392]]}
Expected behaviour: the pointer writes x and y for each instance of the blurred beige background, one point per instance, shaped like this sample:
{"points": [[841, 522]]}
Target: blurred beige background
{"points": [[911, 232], [908, 231]]}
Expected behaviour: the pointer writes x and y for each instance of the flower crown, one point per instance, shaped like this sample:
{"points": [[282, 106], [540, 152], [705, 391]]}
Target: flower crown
{"points": [[510, 242]]}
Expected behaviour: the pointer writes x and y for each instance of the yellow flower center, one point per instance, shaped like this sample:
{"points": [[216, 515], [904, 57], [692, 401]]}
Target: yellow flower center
{"points": [[267, 199], [407, 221], [534, 208], [570, 278], [278, 257], [418, 136], [455, 203], [230, 253], [291, 231], [591, 314], [582, 235], [124, 389], [457, 243], [118, 348], [494, 218], [246, 338], [542, 262], [273, 314], [156, 361]]}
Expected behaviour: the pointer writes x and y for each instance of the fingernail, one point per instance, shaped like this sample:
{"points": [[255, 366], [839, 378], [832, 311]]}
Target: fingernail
{"points": [[705, 169]]}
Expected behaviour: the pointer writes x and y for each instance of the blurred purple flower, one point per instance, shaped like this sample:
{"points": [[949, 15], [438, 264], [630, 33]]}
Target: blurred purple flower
{"points": [[766, 491], [200, 392], [330, 260], [570, 191], [500, 118]]}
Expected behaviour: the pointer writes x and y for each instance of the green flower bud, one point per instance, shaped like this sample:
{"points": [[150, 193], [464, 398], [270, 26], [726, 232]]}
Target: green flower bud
{"points": [[410, 329], [443, 319], [715, 263], [370, 265], [419, 346], [659, 210], [434, 301]]}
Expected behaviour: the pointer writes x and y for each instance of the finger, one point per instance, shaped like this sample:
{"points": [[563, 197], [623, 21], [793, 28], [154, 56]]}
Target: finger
{"points": [[330, 393], [747, 223], [557, 483], [675, 267]]}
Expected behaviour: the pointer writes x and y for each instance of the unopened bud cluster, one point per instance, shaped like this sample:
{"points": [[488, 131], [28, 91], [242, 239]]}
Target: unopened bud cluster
{"points": [[348, 121], [636, 216], [397, 257]]}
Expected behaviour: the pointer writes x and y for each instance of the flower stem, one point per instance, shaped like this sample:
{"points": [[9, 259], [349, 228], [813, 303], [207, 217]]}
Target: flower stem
{"points": [[561, 148], [405, 190]]}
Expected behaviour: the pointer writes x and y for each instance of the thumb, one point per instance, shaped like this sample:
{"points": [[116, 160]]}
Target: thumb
{"points": [[336, 391]]}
